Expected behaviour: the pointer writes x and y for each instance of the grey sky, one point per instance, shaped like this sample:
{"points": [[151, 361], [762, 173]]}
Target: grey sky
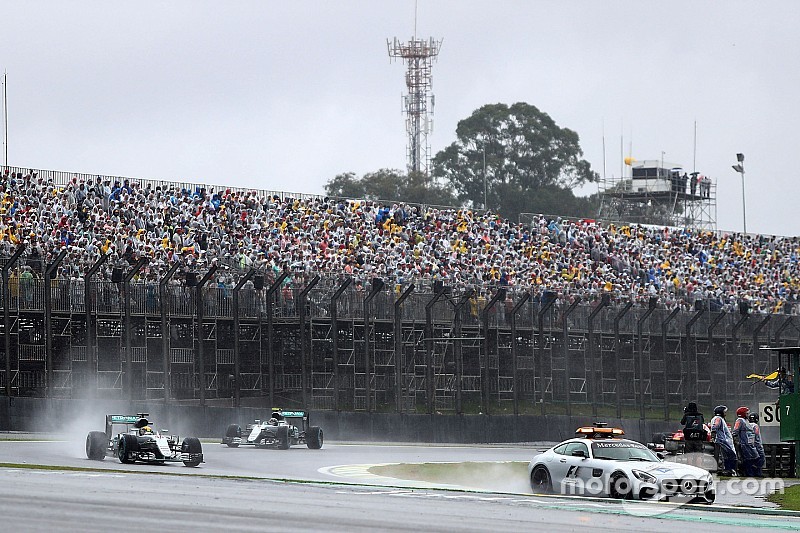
{"points": [[284, 95]]}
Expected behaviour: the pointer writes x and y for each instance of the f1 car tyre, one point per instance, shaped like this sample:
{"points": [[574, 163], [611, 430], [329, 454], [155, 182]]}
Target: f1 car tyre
{"points": [[658, 438], [540, 480], [191, 445], [233, 431], [96, 444], [620, 486], [314, 437], [282, 435], [127, 443]]}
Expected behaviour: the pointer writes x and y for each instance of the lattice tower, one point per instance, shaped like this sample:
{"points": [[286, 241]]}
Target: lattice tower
{"points": [[418, 103]]}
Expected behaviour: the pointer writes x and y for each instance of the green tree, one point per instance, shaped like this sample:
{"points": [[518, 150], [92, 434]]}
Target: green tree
{"points": [[517, 158], [391, 185]]}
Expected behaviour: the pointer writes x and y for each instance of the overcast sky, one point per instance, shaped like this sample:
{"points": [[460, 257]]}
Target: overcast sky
{"points": [[285, 95]]}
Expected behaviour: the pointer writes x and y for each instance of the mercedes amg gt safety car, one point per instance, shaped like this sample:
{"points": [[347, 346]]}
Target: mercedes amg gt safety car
{"points": [[131, 438], [600, 462], [282, 430]]}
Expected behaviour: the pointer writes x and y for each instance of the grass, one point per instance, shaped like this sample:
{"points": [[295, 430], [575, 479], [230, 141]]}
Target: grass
{"points": [[789, 500]]}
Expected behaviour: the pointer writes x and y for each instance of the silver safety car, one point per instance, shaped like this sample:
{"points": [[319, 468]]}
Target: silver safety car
{"points": [[600, 462]]}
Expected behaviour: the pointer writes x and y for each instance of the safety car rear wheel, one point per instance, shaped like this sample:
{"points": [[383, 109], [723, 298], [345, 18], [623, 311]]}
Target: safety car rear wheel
{"points": [[127, 444], [314, 437], [192, 445], [96, 444], [540, 480]]}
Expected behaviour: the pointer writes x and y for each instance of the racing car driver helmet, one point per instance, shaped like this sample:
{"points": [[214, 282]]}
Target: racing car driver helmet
{"points": [[720, 410], [742, 412], [753, 418], [146, 430]]}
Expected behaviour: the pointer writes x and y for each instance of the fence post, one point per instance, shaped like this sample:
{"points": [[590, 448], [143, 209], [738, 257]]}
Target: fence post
{"points": [[48, 319], [458, 354], [335, 340], [538, 364], [91, 336], [737, 364], [514, 352], [687, 352], [664, 326], [270, 352], [201, 352], [305, 368], [499, 295], [237, 366], [430, 384], [567, 365], [618, 374], [710, 332], [7, 313], [165, 336], [591, 385], [377, 286], [398, 348], [126, 281], [639, 359]]}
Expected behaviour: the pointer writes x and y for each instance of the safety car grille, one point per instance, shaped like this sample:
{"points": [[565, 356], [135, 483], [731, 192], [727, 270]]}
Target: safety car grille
{"points": [[688, 486]]}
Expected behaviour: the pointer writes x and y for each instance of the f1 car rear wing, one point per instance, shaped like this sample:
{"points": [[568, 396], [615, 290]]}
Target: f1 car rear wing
{"points": [[281, 414], [138, 420]]}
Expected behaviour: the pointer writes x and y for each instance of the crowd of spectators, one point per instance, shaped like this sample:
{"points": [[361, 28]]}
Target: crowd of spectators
{"points": [[400, 243]]}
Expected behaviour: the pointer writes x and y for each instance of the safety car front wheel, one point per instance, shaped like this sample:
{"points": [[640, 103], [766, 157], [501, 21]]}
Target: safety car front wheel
{"points": [[620, 487]]}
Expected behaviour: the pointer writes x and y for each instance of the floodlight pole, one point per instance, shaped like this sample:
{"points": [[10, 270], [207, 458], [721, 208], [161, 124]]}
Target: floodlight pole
{"points": [[739, 167]]}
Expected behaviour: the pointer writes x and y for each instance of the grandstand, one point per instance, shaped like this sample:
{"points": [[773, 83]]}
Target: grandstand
{"points": [[298, 298]]}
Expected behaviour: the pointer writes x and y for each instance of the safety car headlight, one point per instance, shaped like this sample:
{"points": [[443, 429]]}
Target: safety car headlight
{"points": [[644, 476]]}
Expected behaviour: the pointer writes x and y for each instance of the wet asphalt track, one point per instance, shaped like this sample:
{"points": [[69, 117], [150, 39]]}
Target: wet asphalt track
{"points": [[36, 500]]}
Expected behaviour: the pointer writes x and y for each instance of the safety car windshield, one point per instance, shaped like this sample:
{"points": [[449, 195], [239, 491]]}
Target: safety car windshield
{"points": [[617, 450]]}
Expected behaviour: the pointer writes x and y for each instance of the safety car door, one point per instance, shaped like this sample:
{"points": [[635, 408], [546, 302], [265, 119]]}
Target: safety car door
{"points": [[576, 466], [559, 465], [590, 476]]}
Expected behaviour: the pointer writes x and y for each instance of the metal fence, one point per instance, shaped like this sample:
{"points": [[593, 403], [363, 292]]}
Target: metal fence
{"points": [[334, 345]]}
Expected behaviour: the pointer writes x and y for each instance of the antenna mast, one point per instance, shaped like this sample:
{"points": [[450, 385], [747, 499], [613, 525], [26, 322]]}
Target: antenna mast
{"points": [[418, 103]]}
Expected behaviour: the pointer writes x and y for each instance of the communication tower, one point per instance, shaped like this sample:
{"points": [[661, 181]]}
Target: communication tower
{"points": [[418, 54]]}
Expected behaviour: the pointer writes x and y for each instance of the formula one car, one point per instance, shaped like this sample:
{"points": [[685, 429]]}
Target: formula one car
{"points": [[138, 442], [283, 429], [599, 462], [675, 443]]}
